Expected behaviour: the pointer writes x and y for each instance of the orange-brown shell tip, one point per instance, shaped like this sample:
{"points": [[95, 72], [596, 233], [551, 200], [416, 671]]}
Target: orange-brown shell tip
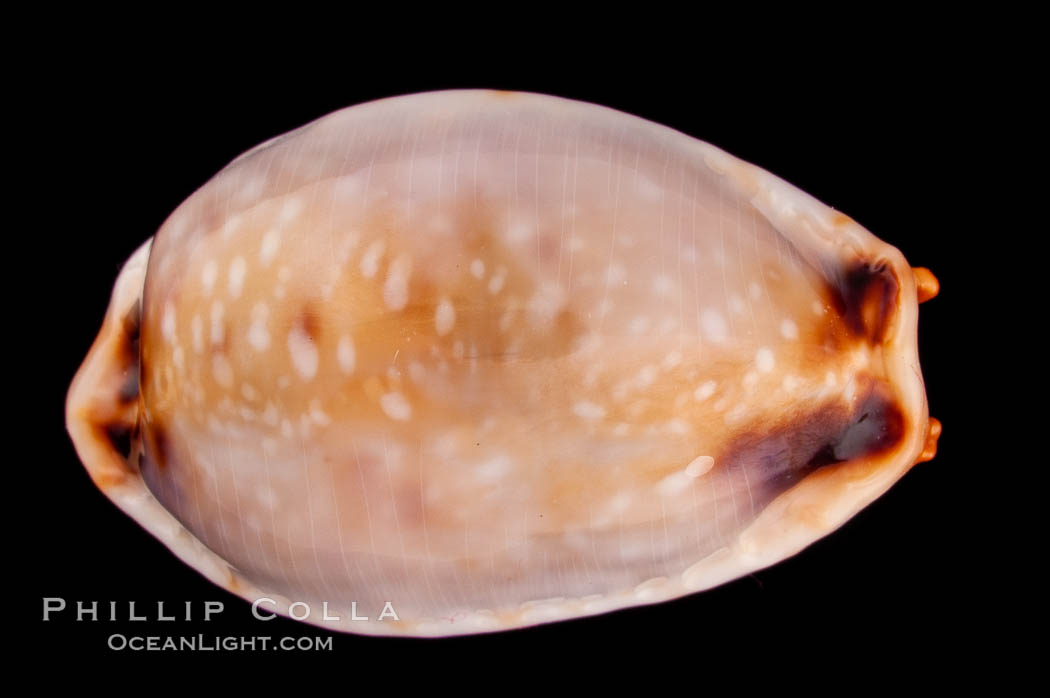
{"points": [[933, 432], [926, 284], [839, 219]]}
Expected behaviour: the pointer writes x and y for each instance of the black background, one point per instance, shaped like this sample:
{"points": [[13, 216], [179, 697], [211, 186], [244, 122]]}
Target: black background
{"points": [[128, 140]]}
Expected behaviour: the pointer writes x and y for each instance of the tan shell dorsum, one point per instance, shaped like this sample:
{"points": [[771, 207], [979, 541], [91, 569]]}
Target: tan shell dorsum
{"points": [[472, 361]]}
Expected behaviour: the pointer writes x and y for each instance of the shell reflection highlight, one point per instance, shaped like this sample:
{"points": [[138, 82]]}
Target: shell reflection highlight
{"points": [[499, 359]]}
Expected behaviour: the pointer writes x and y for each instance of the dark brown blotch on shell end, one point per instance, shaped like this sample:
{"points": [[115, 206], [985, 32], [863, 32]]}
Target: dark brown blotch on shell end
{"points": [[132, 327], [158, 445], [866, 297], [119, 437], [129, 388], [116, 424], [784, 453], [128, 355]]}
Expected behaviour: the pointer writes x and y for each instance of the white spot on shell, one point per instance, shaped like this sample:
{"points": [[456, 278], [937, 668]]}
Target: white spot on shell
{"points": [[493, 469], [318, 414], [620, 503], [444, 317], [231, 226], [547, 302], [416, 371], [258, 335], [588, 410], [271, 242], [518, 231], [168, 322], [303, 352], [218, 330], [788, 329], [197, 330], [370, 260], [673, 484], [700, 465], [589, 343], [236, 279], [290, 210], [638, 325], [850, 392], [396, 406], [667, 325], [252, 189], [705, 390], [736, 414], [648, 189], [395, 290], [764, 360], [497, 280], [477, 268], [222, 370], [678, 426], [615, 273], [696, 577], [345, 354], [208, 276], [662, 285], [652, 589], [646, 376], [714, 326], [506, 320]]}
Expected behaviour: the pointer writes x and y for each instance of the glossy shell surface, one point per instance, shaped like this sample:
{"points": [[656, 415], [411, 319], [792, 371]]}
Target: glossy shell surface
{"points": [[487, 360]]}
